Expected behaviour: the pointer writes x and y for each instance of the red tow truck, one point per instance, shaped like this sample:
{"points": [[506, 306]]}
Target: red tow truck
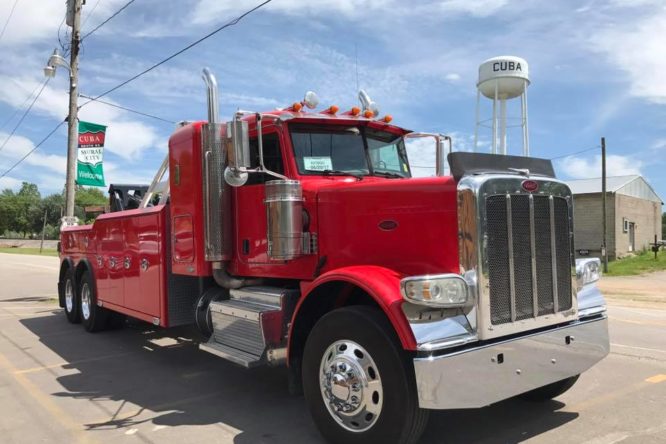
{"points": [[299, 238]]}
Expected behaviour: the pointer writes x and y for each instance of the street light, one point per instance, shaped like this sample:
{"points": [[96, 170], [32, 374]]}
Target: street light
{"points": [[53, 63]]}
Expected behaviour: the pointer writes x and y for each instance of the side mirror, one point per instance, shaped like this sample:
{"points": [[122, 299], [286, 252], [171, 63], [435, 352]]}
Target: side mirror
{"points": [[239, 156]]}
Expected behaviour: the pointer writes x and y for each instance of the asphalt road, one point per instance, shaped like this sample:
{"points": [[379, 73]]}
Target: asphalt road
{"points": [[59, 384]]}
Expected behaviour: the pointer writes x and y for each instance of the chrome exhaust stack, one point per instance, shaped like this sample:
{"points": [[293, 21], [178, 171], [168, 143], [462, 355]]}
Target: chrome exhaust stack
{"points": [[217, 208], [216, 140]]}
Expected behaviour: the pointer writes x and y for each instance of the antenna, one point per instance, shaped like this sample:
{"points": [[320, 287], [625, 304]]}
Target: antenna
{"points": [[501, 79], [356, 54]]}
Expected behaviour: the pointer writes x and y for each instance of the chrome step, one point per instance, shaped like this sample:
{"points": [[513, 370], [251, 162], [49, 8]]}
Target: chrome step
{"points": [[270, 296], [247, 360], [254, 321]]}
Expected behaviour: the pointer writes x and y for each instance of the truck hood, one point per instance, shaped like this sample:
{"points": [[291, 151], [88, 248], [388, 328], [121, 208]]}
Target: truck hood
{"points": [[407, 225]]}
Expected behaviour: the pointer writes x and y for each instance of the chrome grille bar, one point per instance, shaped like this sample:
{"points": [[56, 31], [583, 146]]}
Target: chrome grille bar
{"points": [[553, 253], [512, 277], [535, 291]]}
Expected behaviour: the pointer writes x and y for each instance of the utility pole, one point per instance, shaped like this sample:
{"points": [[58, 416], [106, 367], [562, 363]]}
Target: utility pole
{"points": [[74, 6], [604, 251], [41, 244]]}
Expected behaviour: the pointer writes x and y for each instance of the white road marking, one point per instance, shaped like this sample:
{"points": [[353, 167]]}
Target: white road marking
{"points": [[638, 348]]}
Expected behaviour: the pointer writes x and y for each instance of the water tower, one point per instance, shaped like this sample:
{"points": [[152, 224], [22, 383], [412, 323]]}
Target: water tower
{"points": [[501, 79]]}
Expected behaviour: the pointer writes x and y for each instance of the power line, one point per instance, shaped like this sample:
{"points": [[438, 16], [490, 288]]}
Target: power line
{"points": [[126, 109], [577, 152], [90, 14], [177, 53], [9, 17], [108, 19], [25, 113], [33, 150]]}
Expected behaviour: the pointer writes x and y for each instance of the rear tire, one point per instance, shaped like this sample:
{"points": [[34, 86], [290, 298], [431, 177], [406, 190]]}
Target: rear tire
{"points": [[93, 316], [358, 382], [71, 297], [550, 391]]}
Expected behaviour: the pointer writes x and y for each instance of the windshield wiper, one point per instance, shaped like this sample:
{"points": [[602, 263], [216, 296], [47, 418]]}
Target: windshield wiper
{"points": [[341, 173], [388, 174]]}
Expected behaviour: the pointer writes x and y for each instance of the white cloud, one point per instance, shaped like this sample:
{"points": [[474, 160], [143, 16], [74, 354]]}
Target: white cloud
{"points": [[211, 10], [10, 182], [616, 165], [19, 146], [477, 8], [452, 77], [637, 48]]}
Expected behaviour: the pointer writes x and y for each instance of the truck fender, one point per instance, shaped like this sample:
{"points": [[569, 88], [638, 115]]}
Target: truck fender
{"points": [[381, 284], [67, 264], [85, 265]]}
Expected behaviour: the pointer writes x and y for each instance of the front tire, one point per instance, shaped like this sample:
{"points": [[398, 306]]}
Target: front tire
{"points": [[358, 382], [550, 391], [93, 316], [71, 298]]}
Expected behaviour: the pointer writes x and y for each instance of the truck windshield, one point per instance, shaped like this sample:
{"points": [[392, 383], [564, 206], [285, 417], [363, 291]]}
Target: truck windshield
{"points": [[352, 150]]}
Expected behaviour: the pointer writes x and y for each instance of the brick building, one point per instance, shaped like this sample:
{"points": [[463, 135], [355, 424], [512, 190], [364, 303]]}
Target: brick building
{"points": [[633, 215]]}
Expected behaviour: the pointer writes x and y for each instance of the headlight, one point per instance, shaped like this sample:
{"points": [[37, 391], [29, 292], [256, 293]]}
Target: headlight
{"points": [[587, 271], [444, 290]]}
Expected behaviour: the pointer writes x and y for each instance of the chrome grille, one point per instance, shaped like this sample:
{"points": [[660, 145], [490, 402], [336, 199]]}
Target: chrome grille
{"points": [[528, 248]]}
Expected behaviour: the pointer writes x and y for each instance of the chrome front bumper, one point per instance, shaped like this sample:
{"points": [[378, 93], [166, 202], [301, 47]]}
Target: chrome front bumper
{"points": [[479, 376]]}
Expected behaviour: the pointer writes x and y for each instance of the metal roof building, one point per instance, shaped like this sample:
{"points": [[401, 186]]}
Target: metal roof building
{"points": [[633, 215]]}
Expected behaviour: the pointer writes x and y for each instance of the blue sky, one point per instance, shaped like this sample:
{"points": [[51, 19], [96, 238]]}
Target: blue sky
{"points": [[597, 69]]}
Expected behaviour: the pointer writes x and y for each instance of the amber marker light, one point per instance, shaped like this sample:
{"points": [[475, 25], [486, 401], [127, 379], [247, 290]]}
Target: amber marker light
{"points": [[297, 106], [355, 111], [368, 114], [331, 110], [387, 118]]}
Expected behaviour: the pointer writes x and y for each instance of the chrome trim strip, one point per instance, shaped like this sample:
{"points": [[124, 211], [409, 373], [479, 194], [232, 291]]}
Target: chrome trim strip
{"points": [[535, 290], [447, 343], [512, 276], [587, 312], [526, 363], [553, 254]]}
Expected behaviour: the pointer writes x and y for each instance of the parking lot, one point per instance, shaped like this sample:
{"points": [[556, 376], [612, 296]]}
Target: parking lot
{"points": [[138, 384]]}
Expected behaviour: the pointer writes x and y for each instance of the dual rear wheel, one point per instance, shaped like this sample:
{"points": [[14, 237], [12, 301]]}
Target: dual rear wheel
{"points": [[81, 305]]}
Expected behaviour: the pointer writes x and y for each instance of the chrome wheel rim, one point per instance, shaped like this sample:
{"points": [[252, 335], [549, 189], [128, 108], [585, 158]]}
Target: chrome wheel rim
{"points": [[85, 301], [69, 296], [351, 386]]}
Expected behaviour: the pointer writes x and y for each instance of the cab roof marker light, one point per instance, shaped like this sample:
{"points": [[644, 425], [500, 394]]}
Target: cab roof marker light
{"points": [[387, 118], [332, 110], [354, 112]]}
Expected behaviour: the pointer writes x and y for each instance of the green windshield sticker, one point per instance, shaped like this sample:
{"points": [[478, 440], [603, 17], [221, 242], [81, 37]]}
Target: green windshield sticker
{"points": [[318, 163]]}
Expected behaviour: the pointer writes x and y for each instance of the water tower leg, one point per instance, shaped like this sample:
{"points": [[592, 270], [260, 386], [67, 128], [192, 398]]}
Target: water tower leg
{"points": [[495, 119], [476, 127], [526, 140], [503, 126]]}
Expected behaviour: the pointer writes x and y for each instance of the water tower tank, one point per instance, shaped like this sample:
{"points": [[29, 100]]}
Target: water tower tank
{"points": [[500, 79]]}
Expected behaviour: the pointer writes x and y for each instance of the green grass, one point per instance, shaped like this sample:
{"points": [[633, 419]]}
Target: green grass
{"points": [[640, 264], [34, 251]]}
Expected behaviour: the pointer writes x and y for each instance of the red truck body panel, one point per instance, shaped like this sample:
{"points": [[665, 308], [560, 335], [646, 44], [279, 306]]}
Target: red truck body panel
{"points": [[371, 233]]}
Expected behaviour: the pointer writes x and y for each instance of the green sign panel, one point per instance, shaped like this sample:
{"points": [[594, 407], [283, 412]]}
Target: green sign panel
{"points": [[90, 154]]}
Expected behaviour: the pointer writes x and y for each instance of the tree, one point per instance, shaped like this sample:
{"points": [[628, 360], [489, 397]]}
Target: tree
{"points": [[27, 217], [54, 205], [87, 197], [7, 210]]}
